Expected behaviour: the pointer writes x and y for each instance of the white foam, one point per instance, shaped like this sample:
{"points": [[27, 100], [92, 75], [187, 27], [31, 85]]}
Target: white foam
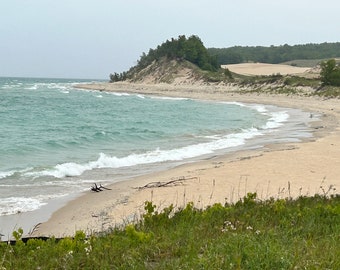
{"points": [[258, 107], [216, 142], [168, 98], [6, 174], [14, 205], [8, 86], [158, 155], [120, 94], [276, 120], [62, 170], [34, 87]]}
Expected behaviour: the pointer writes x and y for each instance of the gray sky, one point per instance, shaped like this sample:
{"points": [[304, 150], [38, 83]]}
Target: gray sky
{"points": [[91, 39]]}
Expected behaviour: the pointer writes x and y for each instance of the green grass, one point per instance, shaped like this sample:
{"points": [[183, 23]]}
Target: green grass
{"points": [[328, 92], [301, 81], [250, 234], [285, 85]]}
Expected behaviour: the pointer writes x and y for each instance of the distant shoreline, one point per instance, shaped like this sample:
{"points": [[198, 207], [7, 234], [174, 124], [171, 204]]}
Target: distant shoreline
{"points": [[279, 170]]}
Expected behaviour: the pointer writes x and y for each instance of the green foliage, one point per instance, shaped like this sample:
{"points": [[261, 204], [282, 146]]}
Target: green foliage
{"points": [[190, 49], [251, 80], [301, 81], [116, 77], [329, 91], [227, 73], [136, 236], [250, 199], [330, 73], [274, 54], [250, 234], [18, 234]]}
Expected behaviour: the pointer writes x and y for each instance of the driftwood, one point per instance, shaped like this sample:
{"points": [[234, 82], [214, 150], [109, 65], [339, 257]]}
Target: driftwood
{"points": [[174, 182], [99, 188]]}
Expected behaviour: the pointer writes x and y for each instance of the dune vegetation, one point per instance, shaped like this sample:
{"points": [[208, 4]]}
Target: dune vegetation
{"points": [[251, 234], [185, 60]]}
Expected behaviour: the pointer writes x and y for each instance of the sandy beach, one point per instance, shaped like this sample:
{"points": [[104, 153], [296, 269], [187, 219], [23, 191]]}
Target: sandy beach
{"points": [[279, 171]]}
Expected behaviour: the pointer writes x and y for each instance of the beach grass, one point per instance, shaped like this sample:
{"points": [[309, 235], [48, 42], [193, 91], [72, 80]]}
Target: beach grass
{"points": [[303, 233]]}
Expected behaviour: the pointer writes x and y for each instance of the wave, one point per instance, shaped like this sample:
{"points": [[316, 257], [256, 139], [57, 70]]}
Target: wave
{"points": [[26, 203], [276, 120], [15, 205], [34, 87], [120, 94], [169, 98], [5, 174], [215, 143], [9, 86]]}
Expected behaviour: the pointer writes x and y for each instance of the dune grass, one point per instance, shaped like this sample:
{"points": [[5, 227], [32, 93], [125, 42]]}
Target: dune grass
{"points": [[250, 234]]}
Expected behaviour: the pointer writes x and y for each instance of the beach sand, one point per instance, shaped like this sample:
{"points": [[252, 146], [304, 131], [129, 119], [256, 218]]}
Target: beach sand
{"points": [[279, 170]]}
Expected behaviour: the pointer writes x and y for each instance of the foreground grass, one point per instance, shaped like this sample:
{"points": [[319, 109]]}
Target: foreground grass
{"points": [[274, 234]]}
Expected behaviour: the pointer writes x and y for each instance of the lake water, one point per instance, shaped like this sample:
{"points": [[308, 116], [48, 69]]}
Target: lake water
{"points": [[56, 140]]}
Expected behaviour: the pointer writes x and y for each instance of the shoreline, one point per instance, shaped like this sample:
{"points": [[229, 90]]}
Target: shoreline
{"points": [[265, 171]]}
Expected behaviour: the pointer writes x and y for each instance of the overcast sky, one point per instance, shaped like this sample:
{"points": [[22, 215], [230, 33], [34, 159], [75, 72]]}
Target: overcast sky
{"points": [[91, 39]]}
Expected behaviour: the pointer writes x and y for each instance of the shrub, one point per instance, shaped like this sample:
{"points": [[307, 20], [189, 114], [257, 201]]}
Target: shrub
{"points": [[330, 73]]}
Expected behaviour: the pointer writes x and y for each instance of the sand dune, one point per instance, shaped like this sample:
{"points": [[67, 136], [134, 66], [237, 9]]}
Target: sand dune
{"points": [[265, 69]]}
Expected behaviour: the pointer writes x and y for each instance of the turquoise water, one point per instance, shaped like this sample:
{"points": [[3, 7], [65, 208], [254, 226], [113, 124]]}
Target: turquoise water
{"points": [[56, 140]]}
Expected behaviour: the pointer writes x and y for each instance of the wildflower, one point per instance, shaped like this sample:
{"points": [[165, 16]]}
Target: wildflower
{"points": [[88, 247], [257, 232], [88, 250], [228, 226], [227, 223], [249, 228]]}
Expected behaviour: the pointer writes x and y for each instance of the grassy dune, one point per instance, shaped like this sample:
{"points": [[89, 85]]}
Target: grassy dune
{"points": [[250, 234]]}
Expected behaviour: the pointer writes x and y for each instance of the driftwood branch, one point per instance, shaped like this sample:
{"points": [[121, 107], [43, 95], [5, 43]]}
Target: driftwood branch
{"points": [[174, 182], [99, 188]]}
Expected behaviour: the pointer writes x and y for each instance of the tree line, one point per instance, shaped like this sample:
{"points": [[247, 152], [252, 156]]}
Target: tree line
{"points": [[274, 54]]}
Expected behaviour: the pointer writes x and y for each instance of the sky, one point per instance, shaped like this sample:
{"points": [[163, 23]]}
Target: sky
{"points": [[91, 39]]}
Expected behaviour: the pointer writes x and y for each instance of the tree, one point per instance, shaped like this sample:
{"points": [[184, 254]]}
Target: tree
{"points": [[191, 49], [330, 73], [275, 54]]}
